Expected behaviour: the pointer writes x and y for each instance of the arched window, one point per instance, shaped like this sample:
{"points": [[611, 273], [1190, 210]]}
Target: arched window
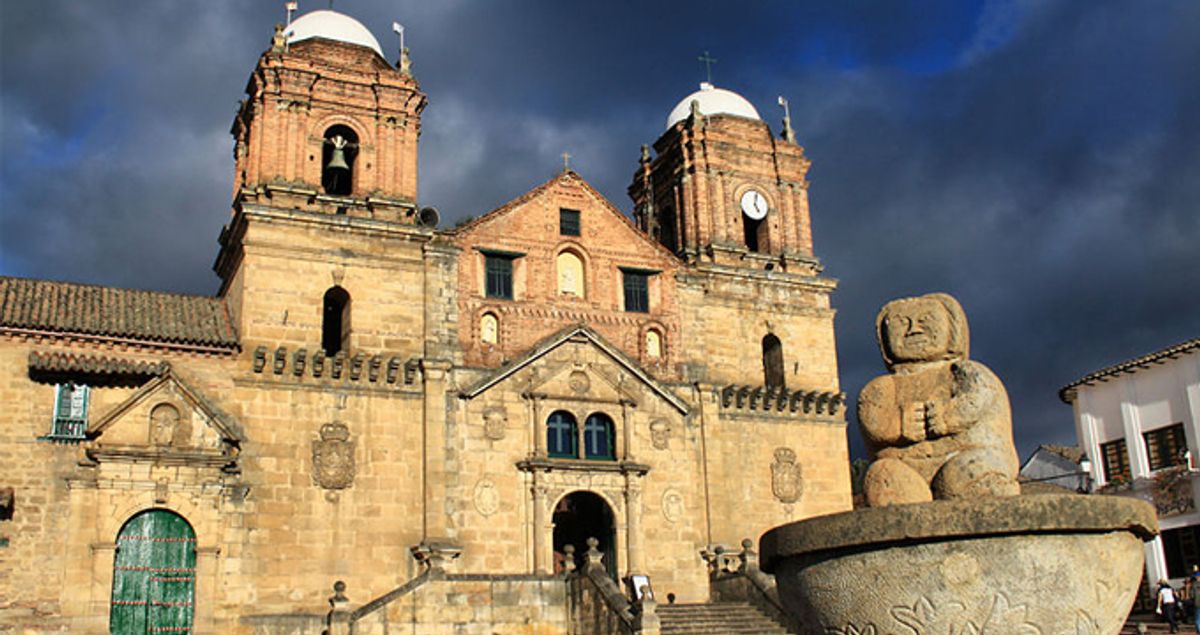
{"points": [[340, 148], [154, 575], [772, 352], [570, 274], [598, 437], [653, 344], [489, 329], [560, 435], [335, 321]]}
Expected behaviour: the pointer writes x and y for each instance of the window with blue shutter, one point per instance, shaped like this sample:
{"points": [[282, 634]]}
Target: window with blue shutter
{"points": [[70, 413]]}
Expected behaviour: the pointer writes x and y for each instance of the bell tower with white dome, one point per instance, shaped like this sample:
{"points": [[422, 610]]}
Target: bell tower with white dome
{"points": [[328, 124], [722, 189]]}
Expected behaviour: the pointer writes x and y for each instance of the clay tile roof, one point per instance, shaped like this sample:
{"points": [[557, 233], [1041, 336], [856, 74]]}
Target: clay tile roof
{"points": [[82, 309], [57, 362], [1068, 452], [1067, 393]]}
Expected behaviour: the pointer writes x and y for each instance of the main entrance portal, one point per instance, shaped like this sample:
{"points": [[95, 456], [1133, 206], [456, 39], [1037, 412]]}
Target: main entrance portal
{"points": [[577, 517]]}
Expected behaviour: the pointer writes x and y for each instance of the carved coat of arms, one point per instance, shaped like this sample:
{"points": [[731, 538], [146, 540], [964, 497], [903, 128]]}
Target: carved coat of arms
{"points": [[333, 457], [786, 483]]}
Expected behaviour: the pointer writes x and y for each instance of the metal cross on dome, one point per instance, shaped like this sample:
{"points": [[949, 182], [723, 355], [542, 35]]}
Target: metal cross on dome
{"points": [[708, 62]]}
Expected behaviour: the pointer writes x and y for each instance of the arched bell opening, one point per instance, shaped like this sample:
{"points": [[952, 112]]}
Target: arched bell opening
{"points": [[339, 151], [577, 517], [335, 321], [772, 352]]}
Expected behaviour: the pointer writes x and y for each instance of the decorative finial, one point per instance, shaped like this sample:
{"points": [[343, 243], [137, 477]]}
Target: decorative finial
{"points": [[645, 153], [278, 40], [566, 156], [708, 62], [789, 135]]}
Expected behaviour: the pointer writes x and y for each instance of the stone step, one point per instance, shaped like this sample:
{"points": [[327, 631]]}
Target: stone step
{"points": [[717, 617]]}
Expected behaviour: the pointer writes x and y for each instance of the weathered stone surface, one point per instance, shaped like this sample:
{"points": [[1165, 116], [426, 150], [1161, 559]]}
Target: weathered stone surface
{"points": [[1049, 513], [1045, 565], [939, 426]]}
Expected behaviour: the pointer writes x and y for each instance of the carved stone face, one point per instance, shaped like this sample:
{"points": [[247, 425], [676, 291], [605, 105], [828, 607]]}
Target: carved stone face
{"points": [[916, 331]]}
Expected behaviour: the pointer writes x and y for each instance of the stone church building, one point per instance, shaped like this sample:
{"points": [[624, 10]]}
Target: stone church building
{"points": [[438, 418]]}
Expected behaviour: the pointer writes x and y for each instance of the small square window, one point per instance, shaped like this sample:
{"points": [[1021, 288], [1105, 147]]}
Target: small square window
{"points": [[499, 274], [70, 413], [637, 291], [568, 222]]}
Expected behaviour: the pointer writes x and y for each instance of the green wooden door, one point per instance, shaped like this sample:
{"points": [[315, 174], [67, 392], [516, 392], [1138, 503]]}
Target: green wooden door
{"points": [[154, 575]]}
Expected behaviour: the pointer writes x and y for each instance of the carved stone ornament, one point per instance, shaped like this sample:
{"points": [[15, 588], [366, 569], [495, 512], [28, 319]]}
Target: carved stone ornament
{"points": [[660, 434], [786, 484], [487, 497], [495, 422], [672, 505], [333, 457], [579, 382]]}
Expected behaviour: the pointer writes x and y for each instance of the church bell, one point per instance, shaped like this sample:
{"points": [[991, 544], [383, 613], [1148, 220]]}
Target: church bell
{"points": [[337, 160]]}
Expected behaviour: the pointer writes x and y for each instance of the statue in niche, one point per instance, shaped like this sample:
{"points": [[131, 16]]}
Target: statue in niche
{"points": [[164, 421], [333, 457], [938, 425]]}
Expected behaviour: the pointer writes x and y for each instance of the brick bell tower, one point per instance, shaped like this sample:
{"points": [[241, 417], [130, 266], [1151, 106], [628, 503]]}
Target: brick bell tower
{"points": [[328, 125], [722, 189]]}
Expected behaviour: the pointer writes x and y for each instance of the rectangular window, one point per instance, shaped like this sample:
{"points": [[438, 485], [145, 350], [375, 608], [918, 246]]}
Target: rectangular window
{"points": [[1116, 460], [1165, 446], [70, 412], [568, 221], [499, 276], [637, 291]]}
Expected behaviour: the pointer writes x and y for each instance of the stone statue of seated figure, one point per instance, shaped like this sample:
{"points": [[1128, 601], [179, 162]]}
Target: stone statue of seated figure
{"points": [[939, 425]]}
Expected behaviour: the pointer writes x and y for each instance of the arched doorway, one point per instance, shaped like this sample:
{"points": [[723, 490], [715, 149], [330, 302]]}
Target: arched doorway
{"points": [[154, 575], [579, 516]]}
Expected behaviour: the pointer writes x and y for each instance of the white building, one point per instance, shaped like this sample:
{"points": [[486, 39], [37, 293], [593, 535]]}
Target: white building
{"points": [[1139, 423]]}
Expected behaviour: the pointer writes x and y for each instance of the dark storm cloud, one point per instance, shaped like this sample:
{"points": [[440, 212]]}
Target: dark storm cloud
{"points": [[1039, 160]]}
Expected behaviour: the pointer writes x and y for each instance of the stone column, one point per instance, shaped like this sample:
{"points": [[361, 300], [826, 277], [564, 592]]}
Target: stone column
{"points": [[626, 432], [537, 426], [633, 523], [206, 588], [539, 524], [434, 449]]}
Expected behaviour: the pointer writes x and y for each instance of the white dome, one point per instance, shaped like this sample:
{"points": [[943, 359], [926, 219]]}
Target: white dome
{"points": [[331, 25], [713, 101]]}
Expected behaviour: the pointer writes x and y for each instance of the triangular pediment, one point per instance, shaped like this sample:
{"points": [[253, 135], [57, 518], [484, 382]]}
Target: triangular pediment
{"points": [[518, 219], [166, 418], [576, 363]]}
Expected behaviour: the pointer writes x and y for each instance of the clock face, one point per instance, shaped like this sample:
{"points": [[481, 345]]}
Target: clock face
{"points": [[754, 205]]}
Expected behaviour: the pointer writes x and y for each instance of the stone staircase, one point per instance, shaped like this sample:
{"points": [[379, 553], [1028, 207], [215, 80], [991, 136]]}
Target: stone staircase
{"points": [[716, 617]]}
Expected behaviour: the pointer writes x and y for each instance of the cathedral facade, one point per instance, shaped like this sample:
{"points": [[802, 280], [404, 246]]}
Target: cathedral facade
{"points": [[368, 396]]}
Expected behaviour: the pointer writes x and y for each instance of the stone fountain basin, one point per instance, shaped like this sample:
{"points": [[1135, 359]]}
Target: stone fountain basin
{"points": [[1021, 565]]}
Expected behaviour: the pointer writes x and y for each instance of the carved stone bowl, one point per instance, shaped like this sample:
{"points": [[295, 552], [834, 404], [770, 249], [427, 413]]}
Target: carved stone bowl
{"points": [[1021, 565]]}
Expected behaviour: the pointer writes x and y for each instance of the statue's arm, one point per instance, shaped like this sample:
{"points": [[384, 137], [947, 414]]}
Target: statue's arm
{"points": [[974, 393], [878, 415]]}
